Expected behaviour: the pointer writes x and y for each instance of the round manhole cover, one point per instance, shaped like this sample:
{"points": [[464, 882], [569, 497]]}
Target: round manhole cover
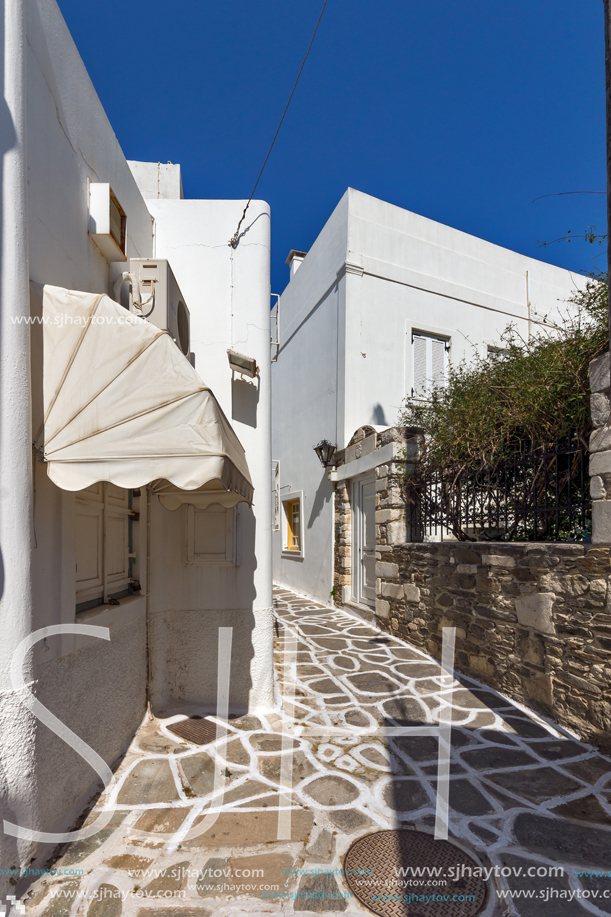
{"points": [[403, 873]]}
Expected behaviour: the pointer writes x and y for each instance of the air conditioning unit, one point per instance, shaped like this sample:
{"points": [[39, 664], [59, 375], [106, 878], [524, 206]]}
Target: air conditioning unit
{"points": [[156, 296]]}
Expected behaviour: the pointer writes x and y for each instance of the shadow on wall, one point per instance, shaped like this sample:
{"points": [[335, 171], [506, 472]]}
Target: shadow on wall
{"points": [[185, 646], [244, 400], [378, 417], [189, 602], [323, 494]]}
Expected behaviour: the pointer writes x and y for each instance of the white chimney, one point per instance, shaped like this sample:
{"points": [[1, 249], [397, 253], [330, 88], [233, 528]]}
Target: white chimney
{"points": [[294, 260]]}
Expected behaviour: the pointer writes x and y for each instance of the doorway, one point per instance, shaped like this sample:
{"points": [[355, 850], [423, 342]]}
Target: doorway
{"points": [[364, 539]]}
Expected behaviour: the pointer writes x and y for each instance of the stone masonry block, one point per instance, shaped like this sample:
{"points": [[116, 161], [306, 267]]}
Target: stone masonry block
{"points": [[395, 532], [466, 568], [600, 463], [368, 445], [412, 593], [392, 591], [601, 521], [498, 560], [599, 408], [389, 515], [600, 378], [600, 440], [535, 611], [386, 570], [540, 688], [382, 609], [597, 489]]}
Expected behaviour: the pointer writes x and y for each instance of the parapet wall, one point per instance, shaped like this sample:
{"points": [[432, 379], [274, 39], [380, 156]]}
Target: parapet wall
{"points": [[532, 620]]}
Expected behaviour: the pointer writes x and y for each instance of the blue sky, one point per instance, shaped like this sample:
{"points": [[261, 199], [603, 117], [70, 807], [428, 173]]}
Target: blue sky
{"points": [[462, 110]]}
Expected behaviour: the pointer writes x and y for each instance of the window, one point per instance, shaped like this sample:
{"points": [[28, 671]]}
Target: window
{"points": [[107, 222], [429, 362], [118, 222], [293, 512], [212, 535], [103, 544], [293, 532]]}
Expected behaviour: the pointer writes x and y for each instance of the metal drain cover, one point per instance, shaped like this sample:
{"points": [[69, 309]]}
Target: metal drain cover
{"points": [[197, 730], [403, 873]]}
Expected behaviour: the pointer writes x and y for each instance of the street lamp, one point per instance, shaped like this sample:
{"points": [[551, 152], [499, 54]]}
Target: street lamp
{"points": [[325, 452]]}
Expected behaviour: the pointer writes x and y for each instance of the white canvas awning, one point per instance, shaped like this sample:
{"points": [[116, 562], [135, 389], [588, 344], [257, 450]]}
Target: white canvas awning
{"points": [[122, 404]]}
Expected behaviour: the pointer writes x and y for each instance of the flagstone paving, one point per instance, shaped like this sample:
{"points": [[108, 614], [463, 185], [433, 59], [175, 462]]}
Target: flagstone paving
{"points": [[195, 831]]}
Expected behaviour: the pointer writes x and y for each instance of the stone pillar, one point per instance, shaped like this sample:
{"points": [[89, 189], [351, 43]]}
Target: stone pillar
{"points": [[600, 449], [393, 518], [342, 545]]}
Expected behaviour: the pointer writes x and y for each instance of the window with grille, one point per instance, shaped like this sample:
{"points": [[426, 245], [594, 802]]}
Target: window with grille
{"points": [[429, 362]]}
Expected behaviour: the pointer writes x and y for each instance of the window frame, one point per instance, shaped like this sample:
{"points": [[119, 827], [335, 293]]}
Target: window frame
{"points": [[231, 554], [289, 501], [431, 336]]}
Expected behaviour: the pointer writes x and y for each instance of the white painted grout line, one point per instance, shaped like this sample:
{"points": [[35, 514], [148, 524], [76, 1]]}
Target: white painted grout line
{"points": [[442, 814], [288, 727]]}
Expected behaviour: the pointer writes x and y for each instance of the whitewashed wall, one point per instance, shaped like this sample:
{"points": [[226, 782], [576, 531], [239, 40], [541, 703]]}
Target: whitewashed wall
{"points": [[99, 689], [307, 401], [227, 292], [375, 273]]}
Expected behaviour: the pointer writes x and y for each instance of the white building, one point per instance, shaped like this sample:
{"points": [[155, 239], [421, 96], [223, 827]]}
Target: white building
{"points": [[383, 299], [162, 580]]}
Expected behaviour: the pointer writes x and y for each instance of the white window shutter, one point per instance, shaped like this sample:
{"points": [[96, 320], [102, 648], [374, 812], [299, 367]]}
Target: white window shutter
{"points": [[419, 364], [438, 361]]}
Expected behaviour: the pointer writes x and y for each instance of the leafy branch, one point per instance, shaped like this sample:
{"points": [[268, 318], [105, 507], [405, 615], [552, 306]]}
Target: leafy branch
{"points": [[534, 389]]}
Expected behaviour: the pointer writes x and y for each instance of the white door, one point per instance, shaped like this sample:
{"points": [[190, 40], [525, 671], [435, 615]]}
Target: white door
{"points": [[364, 539]]}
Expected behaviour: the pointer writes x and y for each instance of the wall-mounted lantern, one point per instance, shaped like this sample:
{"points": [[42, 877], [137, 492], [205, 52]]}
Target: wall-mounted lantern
{"points": [[325, 452]]}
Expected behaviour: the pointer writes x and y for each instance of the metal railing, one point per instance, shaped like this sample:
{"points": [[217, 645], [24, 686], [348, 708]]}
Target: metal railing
{"points": [[541, 492]]}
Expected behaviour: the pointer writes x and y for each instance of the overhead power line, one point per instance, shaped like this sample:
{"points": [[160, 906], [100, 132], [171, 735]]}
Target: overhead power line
{"points": [[236, 236], [561, 193]]}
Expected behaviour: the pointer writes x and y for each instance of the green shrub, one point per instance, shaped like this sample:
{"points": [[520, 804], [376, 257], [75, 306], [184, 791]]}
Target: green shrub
{"points": [[535, 390]]}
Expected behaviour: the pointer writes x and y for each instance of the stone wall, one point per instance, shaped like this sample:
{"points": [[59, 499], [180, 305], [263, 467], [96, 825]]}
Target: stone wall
{"points": [[532, 620]]}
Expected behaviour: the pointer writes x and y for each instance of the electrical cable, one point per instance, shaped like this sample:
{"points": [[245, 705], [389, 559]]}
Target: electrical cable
{"points": [[236, 236], [562, 193]]}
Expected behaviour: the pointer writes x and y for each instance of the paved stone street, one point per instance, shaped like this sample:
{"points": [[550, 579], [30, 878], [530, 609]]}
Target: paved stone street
{"points": [[523, 794]]}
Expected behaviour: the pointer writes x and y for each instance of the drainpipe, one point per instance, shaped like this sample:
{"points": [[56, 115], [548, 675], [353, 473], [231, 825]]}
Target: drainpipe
{"points": [[16, 507], [149, 664]]}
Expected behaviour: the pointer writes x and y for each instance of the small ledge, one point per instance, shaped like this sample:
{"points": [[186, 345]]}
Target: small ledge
{"points": [[363, 612]]}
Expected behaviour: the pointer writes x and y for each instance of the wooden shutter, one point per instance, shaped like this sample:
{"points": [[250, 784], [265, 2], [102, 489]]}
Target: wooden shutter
{"points": [[438, 361], [419, 364], [211, 535]]}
